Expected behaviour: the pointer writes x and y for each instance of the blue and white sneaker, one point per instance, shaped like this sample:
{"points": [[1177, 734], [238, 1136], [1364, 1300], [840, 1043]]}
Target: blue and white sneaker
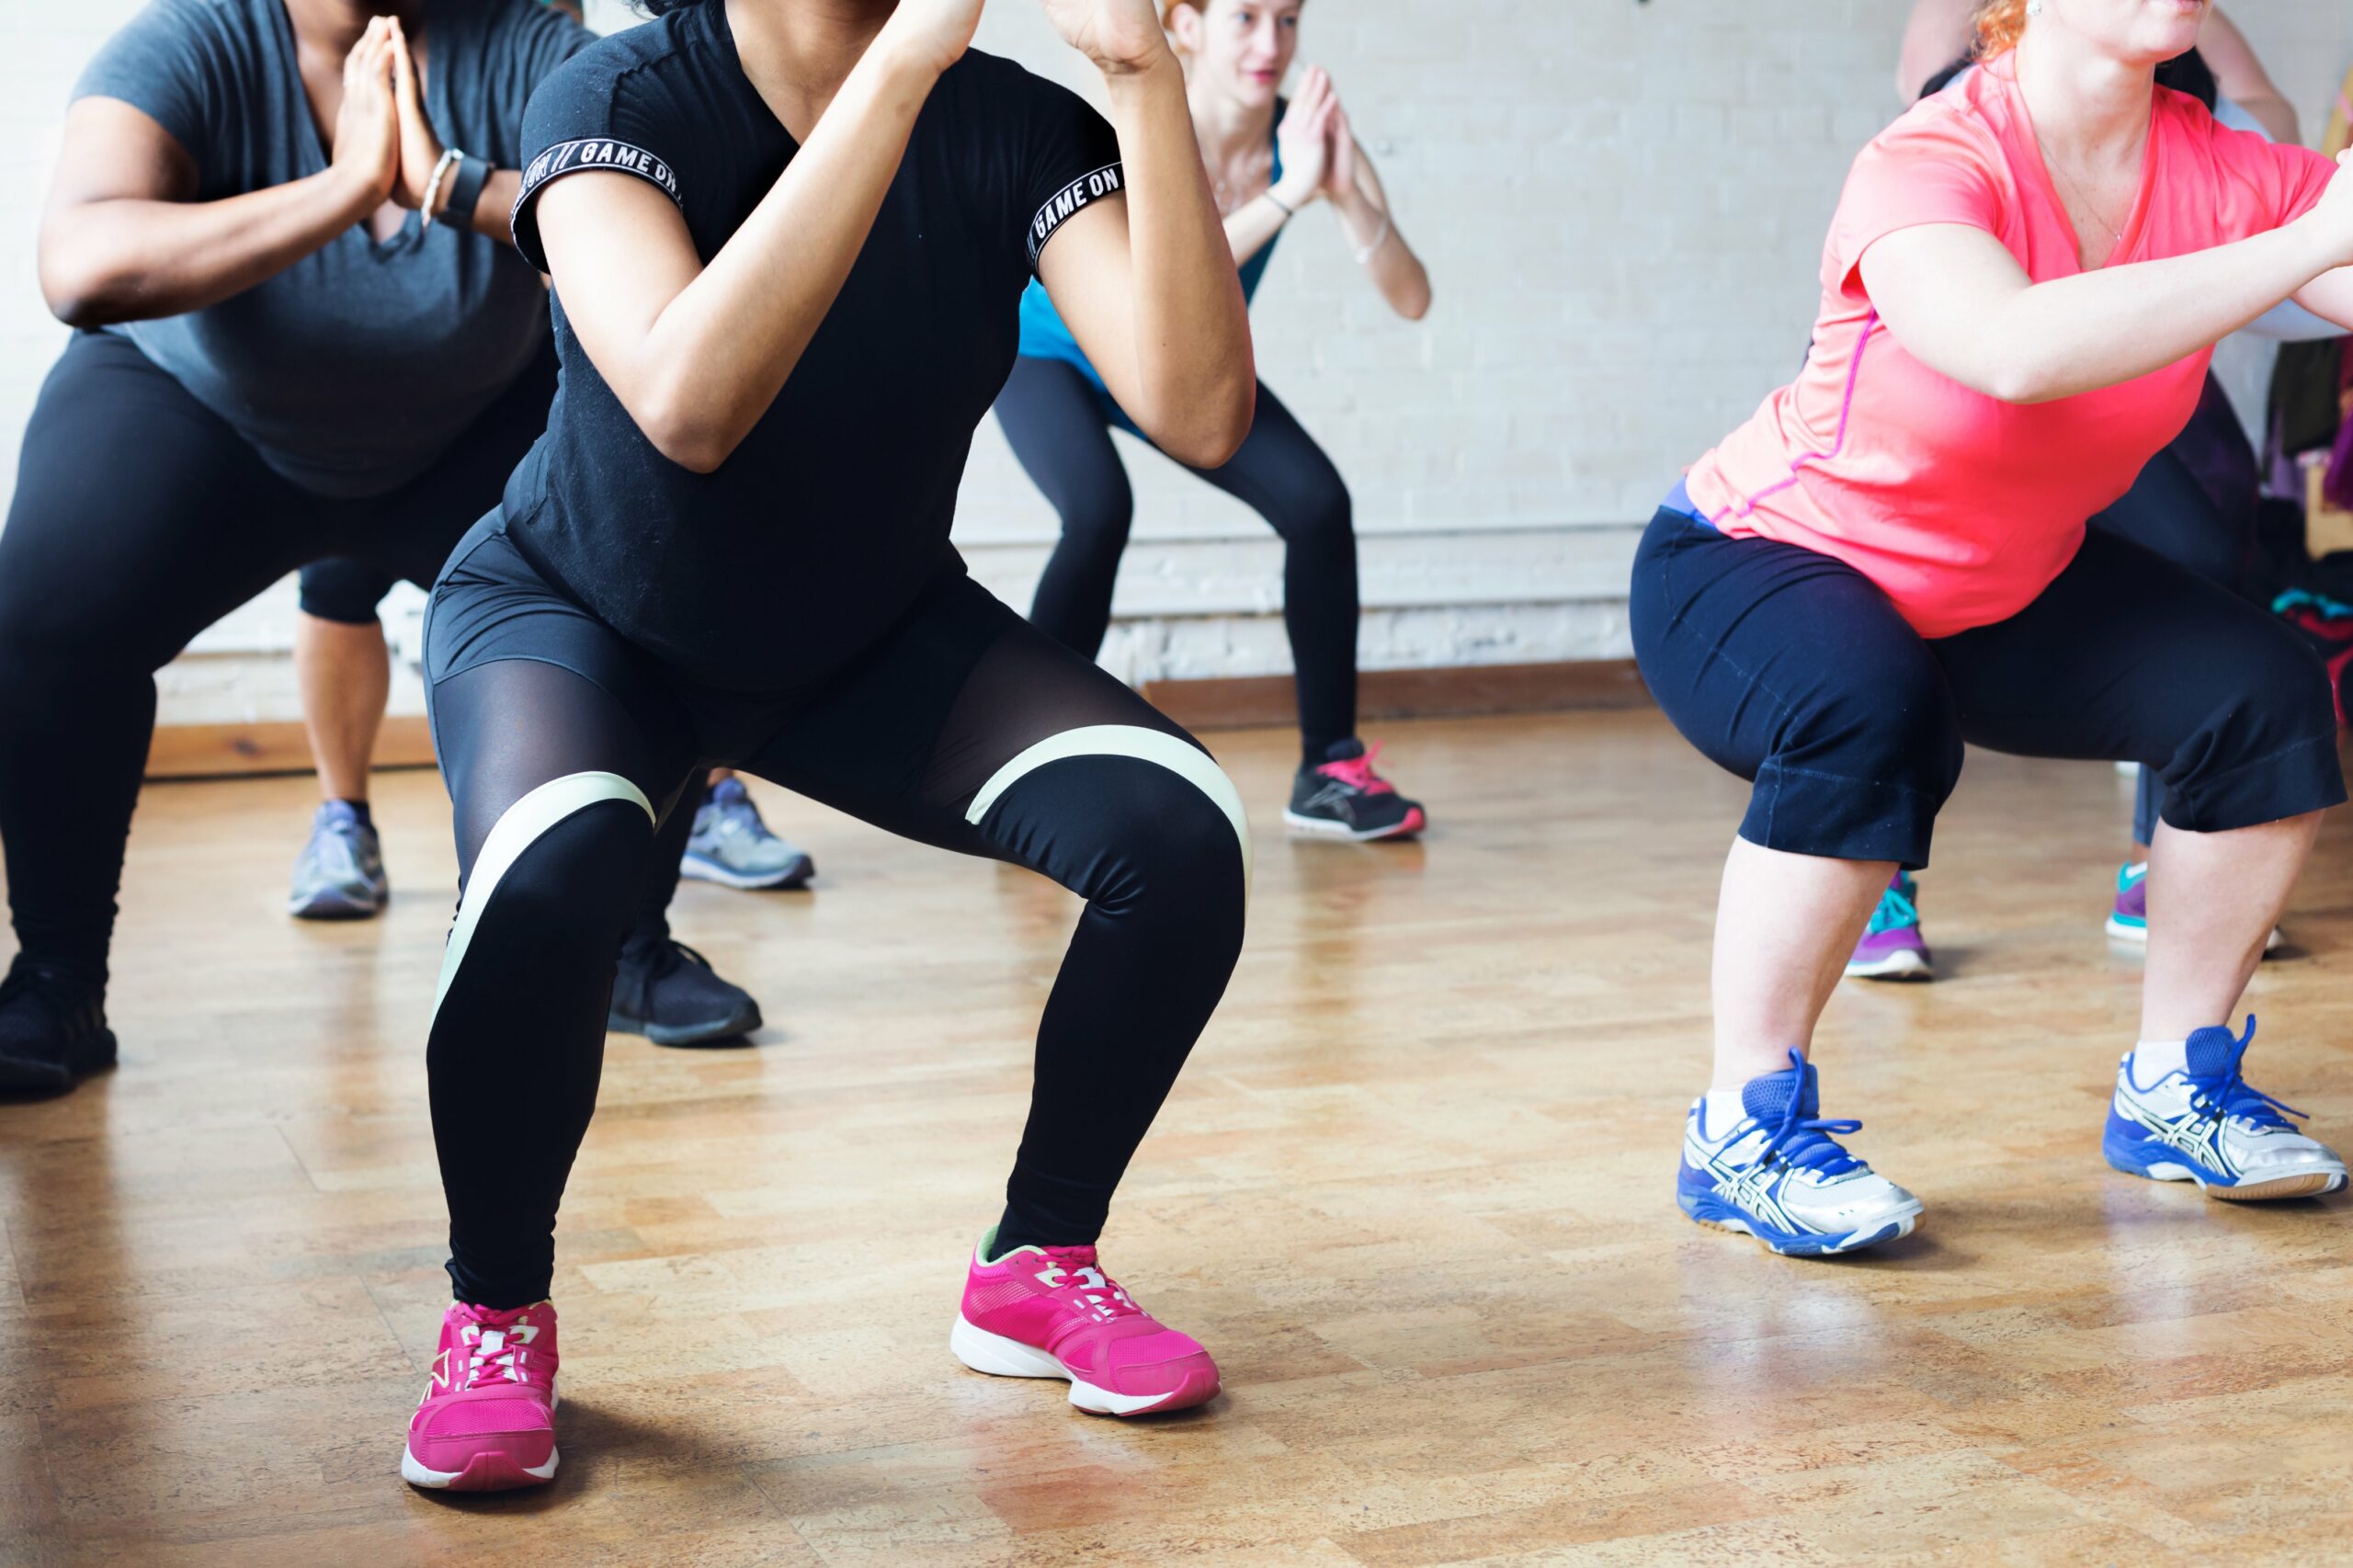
{"points": [[2210, 1126], [340, 874], [1779, 1176], [730, 846]]}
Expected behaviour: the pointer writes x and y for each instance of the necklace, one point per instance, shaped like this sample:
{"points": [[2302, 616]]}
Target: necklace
{"points": [[2076, 191]]}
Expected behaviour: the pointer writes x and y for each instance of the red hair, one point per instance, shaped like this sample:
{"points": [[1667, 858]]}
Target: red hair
{"points": [[2000, 24]]}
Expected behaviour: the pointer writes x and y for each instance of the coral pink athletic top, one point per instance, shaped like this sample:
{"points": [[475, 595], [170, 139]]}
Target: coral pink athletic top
{"points": [[1964, 508]]}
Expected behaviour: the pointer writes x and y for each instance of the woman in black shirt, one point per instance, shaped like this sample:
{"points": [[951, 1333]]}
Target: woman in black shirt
{"points": [[788, 239]]}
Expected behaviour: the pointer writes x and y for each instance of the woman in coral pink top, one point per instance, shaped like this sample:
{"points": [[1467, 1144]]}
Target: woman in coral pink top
{"points": [[2022, 289]]}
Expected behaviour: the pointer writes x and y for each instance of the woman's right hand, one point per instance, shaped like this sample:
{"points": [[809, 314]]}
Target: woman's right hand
{"points": [[367, 126], [1304, 139], [931, 34]]}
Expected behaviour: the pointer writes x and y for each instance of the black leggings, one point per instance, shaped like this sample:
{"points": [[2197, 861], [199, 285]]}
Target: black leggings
{"points": [[965, 728], [139, 519], [1060, 428]]}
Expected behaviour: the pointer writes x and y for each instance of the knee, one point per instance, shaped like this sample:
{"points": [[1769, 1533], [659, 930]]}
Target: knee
{"points": [[1139, 821], [1902, 732], [345, 591], [1183, 846], [2278, 695], [1325, 515], [555, 881], [1098, 518]]}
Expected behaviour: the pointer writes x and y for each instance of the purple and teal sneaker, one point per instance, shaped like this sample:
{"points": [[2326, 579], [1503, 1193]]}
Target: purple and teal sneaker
{"points": [[2128, 921], [1893, 948]]}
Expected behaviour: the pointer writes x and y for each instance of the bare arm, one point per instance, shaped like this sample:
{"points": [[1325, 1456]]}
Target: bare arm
{"points": [[124, 239], [2330, 297], [1960, 303], [697, 354], [1936, 35], [2242, 78], [1147, 285], [1363, 207]]}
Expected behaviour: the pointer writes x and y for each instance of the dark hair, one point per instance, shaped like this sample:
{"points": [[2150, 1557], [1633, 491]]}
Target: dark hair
{"points": [[2184, 73]]}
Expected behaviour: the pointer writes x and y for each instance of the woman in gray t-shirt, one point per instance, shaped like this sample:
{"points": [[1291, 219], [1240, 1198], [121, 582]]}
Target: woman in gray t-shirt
{"points": [[281, 227]]}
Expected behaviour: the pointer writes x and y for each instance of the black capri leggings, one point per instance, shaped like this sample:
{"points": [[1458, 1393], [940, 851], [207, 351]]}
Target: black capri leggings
{"points": [[141, 519], [964, 727], [1794, 671], [2207, 528], [1060, 426]]}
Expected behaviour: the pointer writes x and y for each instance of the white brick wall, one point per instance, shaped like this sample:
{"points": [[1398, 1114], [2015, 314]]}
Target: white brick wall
{"points": [[1622, 206]]}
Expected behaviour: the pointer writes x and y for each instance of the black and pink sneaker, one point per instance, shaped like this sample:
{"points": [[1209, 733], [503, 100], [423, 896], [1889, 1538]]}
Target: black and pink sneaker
{"points": [[1342, 797]]}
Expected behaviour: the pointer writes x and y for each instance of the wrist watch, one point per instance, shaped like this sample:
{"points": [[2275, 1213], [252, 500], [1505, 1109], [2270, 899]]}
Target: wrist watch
{"points": [[465, 191]]}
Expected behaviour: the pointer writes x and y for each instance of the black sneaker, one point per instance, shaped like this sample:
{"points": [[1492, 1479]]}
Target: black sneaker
{"points": [[669, 993], [53, 1031], [1342, 797]]}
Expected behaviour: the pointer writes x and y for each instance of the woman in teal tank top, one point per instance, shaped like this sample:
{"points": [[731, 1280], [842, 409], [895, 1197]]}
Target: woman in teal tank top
{"points": [[1269, 159]]}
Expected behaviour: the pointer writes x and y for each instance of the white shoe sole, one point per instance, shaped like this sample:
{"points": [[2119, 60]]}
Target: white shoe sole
{"points": [[1322, 827], [1874, 1233], [417, 1474], [1003, 1357], [796, 875], [1904, 964], [2313, 1181]]}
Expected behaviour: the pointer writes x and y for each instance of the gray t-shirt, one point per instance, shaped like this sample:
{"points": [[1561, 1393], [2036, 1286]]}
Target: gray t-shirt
{"points": [[356, 367]]}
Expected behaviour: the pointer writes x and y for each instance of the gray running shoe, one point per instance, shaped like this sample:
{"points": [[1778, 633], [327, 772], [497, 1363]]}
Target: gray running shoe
{"points": [[731, 846], [340, 874]]}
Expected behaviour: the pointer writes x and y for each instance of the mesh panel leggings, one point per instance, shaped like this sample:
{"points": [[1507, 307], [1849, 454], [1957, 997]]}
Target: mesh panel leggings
{"points": [[1060, 428], [964, 728]]}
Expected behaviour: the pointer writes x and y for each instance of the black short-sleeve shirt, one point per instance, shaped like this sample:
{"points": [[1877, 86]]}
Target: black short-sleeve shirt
{"points": [[819, 530]]}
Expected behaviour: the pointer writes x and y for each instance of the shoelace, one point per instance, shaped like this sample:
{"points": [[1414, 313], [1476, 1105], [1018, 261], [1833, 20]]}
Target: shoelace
{"points": [[1808, 1143], [662, 957], [1896, 911], [2225, 1094], [1080, 1276], [1357, 772], [499, 1349]]}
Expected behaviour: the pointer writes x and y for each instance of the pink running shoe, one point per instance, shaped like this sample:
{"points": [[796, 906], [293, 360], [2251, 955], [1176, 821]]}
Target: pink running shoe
{"points": [[487, 1420], [1053, 1312]]}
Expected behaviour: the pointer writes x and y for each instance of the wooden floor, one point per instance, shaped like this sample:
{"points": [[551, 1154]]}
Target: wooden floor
{"points": [[1413, 1193]]}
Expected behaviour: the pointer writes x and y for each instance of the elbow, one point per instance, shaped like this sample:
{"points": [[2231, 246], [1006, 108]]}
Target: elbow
{"points": [[2022, 383], [77, 310], [696, 452], [1216, 429], [685, 435], [80, 297]]}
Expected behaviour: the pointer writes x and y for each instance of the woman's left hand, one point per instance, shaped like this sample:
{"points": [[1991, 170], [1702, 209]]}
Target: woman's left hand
{"points": [[421, 146], [1119, 36]]}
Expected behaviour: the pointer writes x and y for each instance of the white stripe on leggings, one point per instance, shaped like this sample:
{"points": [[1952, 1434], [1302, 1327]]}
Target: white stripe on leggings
{"points": [[517, 829], [1185, 760]]}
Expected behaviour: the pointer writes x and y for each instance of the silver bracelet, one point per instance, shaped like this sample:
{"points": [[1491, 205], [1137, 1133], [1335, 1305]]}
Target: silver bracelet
{"points": [[432, 187], [1378, 241], [1289, 212]]}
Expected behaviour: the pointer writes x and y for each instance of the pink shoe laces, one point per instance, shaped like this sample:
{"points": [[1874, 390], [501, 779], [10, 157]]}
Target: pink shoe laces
{"points": [[1357, 772], [495, 1348]]}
